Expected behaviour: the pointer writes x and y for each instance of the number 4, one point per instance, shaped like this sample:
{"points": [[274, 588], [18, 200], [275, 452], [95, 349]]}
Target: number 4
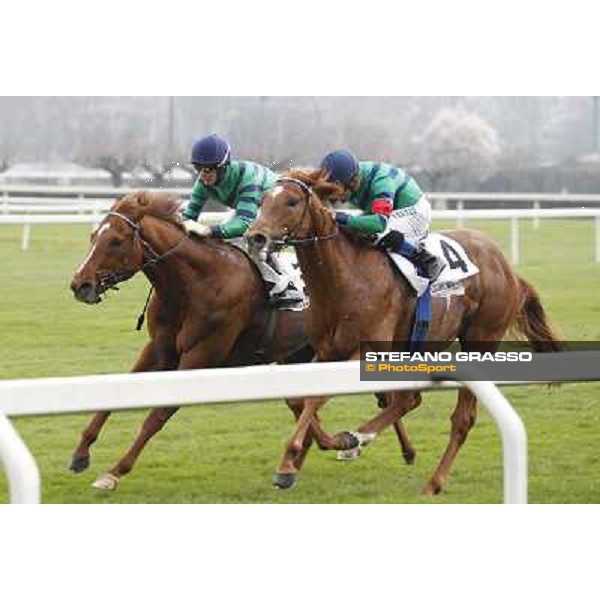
{"points": [[453, 257]]}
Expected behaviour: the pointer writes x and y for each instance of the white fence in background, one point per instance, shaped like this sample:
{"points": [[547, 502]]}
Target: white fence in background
{"points": [[10, 192], [144, 390], [39, 216]]}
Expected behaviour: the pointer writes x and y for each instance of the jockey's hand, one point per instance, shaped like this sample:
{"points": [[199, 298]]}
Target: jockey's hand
{"points": [[341, 218], [196, 228]]}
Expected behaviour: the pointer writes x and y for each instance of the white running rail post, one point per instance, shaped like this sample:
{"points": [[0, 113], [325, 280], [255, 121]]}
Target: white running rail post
{"points": [[26, 236], [513, 436], [460, 217], [514, 240], [536, 218], [20, 466]]}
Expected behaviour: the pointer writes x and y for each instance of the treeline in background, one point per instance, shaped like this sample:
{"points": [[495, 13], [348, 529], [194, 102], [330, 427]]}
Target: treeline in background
{"points": [[470, 143]]}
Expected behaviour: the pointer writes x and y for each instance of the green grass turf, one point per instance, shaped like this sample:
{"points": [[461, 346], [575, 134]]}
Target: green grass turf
{"points": [[228, 453]]}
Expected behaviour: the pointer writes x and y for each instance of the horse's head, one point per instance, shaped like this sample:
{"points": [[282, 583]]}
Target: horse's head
{"points": [[293, 212], [117, 247]]}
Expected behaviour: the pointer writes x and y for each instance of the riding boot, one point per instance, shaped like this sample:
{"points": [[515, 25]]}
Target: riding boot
{"points": [[290, 294], [395, 241], [281, 290], [430, 263]]}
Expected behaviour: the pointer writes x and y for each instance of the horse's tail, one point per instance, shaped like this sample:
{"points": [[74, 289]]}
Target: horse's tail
{"points": [[533, 322]]}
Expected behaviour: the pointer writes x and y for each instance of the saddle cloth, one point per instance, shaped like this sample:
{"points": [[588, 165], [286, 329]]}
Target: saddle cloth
{"points": [[458, 267]]}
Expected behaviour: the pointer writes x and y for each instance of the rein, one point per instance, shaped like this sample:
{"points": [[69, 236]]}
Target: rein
{"points": [[289, 239]]}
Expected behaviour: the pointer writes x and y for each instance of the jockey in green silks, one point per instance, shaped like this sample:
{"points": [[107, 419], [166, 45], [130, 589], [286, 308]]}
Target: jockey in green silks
{"points": [[394, 208], [240, 185]]}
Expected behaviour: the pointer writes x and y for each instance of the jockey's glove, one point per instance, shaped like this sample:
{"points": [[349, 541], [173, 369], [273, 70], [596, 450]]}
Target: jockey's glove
{"points": [[341, 218], [200, 229]]}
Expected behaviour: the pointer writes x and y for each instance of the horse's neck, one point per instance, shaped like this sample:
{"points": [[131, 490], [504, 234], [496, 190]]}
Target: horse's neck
{"points": [[326, 267], [168, 274]]}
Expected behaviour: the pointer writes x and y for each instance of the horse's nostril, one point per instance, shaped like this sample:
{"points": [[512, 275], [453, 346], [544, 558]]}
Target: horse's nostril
{"points": [[84, 288], [84, 291], [258, 240]]}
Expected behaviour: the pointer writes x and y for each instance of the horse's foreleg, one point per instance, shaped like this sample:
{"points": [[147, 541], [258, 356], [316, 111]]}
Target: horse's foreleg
{"points": [[81, 457], [285, 476], [153, 423], [296, 406], [463, 419], [395, 405], [307, 427]]}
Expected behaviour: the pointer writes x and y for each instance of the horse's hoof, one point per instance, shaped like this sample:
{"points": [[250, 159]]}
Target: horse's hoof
{"points": [[107, 482], [409, 459], [79, 464], [356, 440], [432, 489], [284, 481], [352, 454]]}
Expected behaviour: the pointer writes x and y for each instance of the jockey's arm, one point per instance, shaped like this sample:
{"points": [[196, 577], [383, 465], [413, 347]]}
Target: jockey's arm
{"points": [[378, 210], [196, 203], [246, 211], [362, 223]]}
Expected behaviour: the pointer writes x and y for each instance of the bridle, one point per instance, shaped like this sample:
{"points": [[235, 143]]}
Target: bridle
{"points": [[290, 239], [111, 280]]}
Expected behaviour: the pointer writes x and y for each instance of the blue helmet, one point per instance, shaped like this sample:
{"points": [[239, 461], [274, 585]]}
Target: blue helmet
{"points": [[341, 165], [211, 151]]}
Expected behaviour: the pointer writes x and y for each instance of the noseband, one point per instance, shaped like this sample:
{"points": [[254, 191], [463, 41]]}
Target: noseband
{"points": [[112, 279], [290, 239]]}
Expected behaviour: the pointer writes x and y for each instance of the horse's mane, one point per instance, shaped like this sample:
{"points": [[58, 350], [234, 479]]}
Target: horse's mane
{"points": [[165, 207], [317, 180], [162, 205]]}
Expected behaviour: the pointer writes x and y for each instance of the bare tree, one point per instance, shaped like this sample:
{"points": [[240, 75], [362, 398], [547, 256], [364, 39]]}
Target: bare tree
{"points": [[113, 138], [458, 141]]}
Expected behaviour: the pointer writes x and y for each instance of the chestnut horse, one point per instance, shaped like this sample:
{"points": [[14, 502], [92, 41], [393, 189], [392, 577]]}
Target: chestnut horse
{"points": [[357, 297], [208, 309]]}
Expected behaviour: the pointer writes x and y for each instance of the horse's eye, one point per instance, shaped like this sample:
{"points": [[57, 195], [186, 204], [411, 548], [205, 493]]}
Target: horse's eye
{"points": [[115, 243], [292, 202]]}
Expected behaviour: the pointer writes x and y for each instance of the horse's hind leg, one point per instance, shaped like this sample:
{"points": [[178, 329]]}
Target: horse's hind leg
{"points": [[464, 415], [81, 457], [153, 423], [411, 401], [463, 418]]}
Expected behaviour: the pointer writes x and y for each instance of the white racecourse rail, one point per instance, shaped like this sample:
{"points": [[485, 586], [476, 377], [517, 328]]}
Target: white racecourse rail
{"points": [[178, 388], [41, 216], [24, 202]]}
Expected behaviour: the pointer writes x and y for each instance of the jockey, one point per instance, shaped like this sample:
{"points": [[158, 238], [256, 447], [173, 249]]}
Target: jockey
{"points": [[239, 185], [395, 209]]}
